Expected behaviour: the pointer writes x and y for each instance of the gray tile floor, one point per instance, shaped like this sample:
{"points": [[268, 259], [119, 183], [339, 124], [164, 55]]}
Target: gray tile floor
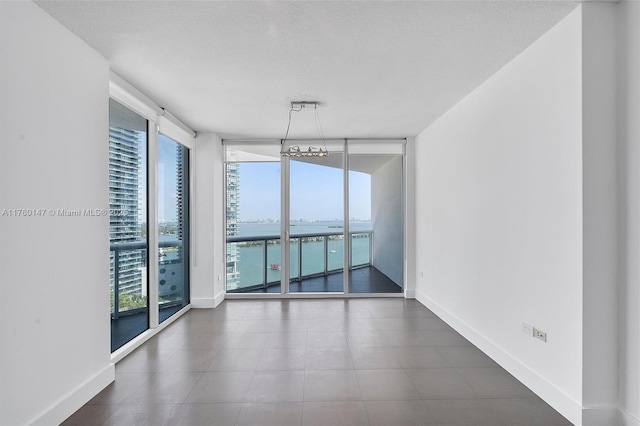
{"points": [[313, 362]]}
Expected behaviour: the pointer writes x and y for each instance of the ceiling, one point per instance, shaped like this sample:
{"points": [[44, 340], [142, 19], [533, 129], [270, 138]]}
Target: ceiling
{"points": [[378, 69]]}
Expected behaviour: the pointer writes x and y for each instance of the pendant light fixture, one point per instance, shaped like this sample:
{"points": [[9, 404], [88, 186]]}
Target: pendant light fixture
{"points": [[311, 151]]}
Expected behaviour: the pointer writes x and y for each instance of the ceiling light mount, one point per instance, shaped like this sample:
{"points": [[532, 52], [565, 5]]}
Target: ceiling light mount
{"points": [[300, 105]]}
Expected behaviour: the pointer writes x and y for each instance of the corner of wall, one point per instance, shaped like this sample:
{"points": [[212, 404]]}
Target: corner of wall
{"points": [[600, 211], [628, 91], [208, 302], [207, 285], [626, 419], [410, 218], [606, 416]]}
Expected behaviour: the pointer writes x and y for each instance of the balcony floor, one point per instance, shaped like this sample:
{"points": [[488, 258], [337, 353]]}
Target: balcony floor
{"points": [[361, 280], [127, 327]]}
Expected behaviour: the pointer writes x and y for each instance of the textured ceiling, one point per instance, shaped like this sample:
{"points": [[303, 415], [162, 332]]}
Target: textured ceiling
{"points": [[379, 69]]}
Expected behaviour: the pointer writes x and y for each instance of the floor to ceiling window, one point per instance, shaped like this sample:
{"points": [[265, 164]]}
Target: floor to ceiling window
{"points": [[375, 192], [316, 222], [173, 227], [293, 208], [127, 224], [253, 247], [149, 226]]}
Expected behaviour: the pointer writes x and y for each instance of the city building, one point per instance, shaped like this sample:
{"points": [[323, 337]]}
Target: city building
{"points": [[521, 201], [124, 196], [181, 181], [232, 193]]}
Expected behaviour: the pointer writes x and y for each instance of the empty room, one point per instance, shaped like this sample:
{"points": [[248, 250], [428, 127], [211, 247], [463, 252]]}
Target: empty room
{"points": [[320, 212]]}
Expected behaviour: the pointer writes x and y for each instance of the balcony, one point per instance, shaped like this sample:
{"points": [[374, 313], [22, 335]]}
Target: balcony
{"points": [[129, 307], [315, 264]]}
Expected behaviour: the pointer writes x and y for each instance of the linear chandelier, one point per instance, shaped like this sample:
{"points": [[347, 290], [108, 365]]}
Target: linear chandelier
{"points": [[295, 151], [312, 151]]}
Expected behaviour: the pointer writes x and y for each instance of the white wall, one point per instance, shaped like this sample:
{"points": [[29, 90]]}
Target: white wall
{"points": [[54, 278], [209, 266], [629, 201], [386, 215], [499, 216], [410, 219], [599, 181]]}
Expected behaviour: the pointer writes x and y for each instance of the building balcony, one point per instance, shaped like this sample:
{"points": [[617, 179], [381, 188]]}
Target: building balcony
{"points": [[129, 291], [316, 264]]}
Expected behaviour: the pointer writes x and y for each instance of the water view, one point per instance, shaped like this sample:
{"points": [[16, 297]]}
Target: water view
{"points": [[307, 239]]}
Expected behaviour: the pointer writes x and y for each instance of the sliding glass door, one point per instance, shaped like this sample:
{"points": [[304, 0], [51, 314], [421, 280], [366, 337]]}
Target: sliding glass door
{"points": [[173, 227], [376, 218], [253, 219], [316, 222], [127, 224]]}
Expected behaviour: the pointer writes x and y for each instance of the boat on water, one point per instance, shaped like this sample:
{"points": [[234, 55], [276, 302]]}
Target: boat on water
{"points": [[275, 267]]}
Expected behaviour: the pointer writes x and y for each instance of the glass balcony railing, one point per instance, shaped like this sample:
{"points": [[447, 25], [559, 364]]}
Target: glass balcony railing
{"points": [[128, 276], [255, 262]]}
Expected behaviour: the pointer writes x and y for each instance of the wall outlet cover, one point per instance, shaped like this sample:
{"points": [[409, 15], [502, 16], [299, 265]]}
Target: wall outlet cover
{"points": [[539, 334], [527, 329]]}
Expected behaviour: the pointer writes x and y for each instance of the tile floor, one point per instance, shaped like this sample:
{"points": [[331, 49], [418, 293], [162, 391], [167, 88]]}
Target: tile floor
{"points": [[313, 362]]}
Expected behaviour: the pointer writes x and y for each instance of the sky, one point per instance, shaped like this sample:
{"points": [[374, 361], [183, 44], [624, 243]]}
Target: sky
{"points": [[316, 192]]}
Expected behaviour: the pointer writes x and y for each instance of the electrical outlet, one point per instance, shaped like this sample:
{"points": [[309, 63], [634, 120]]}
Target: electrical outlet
{"points": [[527, 329], [539, 334]]}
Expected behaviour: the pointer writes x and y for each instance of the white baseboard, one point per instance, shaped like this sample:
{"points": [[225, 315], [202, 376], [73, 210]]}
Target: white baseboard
{"points": [[207, 302], [203, 303], [555, 397], [70, 403], [565, 405], [219, 298], [602, 416], [628, 420], [607, 416], [410, 294]]}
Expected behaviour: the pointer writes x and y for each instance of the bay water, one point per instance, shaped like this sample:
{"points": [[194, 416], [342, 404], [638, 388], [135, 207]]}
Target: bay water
{"points": [[251, 265]]}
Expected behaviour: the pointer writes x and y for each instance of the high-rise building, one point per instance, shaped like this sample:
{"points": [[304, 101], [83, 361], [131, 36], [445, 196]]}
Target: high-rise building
{"points": [[174, 233], [125, 225], [181, 179], [233, 255]]}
